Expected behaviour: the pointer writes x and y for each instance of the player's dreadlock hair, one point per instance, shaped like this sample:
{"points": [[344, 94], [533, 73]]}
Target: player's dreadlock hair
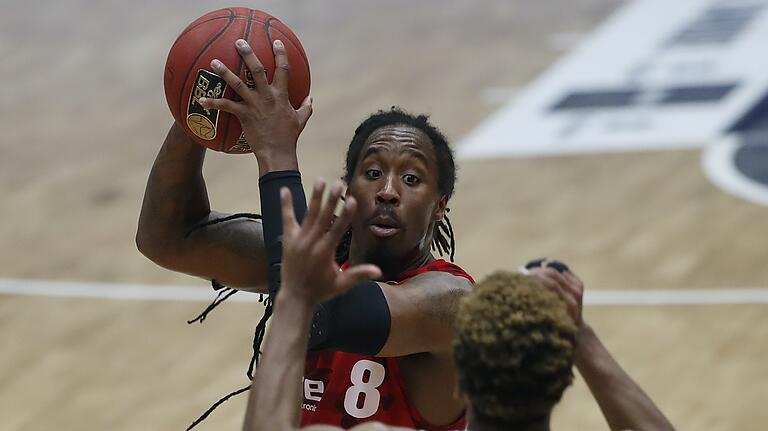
{"points": [[222, 295], [443, 240], [514, 347]]}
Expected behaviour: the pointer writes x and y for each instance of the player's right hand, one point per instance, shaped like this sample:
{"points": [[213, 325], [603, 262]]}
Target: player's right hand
{"points": [[270, 123]]}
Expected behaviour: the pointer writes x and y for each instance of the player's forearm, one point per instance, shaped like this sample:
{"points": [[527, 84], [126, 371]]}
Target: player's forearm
{"points": [[175, 198], [624, 404], [273, 403]]}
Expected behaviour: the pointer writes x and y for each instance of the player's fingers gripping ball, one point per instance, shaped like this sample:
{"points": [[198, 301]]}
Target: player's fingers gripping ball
{"points": [[188, 74]]}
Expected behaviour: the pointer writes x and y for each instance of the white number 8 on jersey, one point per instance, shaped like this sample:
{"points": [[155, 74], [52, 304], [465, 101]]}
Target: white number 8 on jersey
{"points": [[367, 390]]}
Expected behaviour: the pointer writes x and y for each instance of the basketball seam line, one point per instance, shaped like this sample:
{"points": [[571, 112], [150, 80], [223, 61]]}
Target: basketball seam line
{"points": [[239, 69], [232, 16], [200, 54]]}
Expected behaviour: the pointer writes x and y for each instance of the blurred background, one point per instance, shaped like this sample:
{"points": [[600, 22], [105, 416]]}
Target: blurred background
{"points": [[84, 114]]}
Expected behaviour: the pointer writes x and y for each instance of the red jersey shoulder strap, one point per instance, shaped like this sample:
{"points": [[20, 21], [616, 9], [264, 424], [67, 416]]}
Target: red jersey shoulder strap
{"points": [[441, 265], [438, 265]]}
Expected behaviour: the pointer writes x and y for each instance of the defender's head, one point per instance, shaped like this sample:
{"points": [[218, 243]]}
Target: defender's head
{"points": [[401, 171], [514, 347]]}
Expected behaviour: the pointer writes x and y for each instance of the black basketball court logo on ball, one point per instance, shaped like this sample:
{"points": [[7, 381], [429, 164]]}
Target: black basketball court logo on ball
{"points": [[202, 122]]}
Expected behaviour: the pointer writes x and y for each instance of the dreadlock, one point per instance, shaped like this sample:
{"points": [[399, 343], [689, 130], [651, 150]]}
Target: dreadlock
{"points": [[443, 240], [223, 294]]}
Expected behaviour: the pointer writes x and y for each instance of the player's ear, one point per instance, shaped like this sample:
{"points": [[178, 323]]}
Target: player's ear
{"points": [[439, 212]]}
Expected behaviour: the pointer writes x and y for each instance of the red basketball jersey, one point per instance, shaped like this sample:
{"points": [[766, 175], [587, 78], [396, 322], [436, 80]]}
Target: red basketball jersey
{"points": [[346, 389]]}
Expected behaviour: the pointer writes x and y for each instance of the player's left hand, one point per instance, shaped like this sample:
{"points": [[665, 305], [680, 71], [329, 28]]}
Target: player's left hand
{"points": [[309, 269]]}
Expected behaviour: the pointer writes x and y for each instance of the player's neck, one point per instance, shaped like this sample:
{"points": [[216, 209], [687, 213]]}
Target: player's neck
{"points": [[409, 265], [392, 268]]}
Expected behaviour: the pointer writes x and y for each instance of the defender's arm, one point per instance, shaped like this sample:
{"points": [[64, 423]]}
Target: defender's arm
{"points": [[310, 275], [623, 402]]}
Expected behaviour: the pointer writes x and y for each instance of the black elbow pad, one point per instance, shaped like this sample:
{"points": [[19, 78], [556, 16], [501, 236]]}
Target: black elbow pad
{"points": [[358, 321], [272, 217]]}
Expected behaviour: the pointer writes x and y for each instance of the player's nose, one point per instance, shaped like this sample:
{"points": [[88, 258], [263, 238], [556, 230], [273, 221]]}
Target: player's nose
{"points": [[388, 192]]}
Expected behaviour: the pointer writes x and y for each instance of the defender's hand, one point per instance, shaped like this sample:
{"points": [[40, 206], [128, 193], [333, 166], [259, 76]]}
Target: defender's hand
{"points": [[309, 270], [559, 278], [270, 123]]}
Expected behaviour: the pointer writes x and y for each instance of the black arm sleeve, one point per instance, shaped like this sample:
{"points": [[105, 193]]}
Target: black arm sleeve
{"points": [[272, 219], [356, 322]]}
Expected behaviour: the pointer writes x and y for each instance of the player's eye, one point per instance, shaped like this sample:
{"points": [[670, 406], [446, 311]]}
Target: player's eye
{"points": [[411, 179], [372, 174]]}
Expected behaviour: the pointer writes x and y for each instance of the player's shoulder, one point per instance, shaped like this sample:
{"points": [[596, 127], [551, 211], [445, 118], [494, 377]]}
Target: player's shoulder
{"points": [[439, 277], [445, 267], [437, 293]]}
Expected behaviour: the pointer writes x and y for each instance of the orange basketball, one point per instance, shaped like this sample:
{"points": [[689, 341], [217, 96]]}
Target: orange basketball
{"points": [[188, 74]]}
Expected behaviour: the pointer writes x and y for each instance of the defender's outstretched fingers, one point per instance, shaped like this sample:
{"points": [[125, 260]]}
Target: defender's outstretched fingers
{"points": [[234, 81], [356, 273], [252, 62], [326, 216], [339, 227], [221, 104], [282, 68], [315, 204], [290, 225]]}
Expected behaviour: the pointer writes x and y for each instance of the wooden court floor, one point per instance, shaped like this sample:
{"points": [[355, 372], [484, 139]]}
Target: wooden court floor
{"points": [[83, 116]]}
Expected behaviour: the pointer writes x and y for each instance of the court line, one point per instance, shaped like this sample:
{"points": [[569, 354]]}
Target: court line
{"points": [[114, 291], [145, 292], [720, 296]]}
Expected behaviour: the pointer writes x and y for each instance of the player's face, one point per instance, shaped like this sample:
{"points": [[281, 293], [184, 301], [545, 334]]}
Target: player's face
{"points": [[395, 185]]}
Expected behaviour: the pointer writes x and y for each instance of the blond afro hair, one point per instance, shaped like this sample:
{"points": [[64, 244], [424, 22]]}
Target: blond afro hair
{"points": [[514, 348]]}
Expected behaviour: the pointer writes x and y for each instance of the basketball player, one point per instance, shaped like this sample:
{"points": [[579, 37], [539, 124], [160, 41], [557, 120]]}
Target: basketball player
{"points": [[516, 340], [395, 328]]}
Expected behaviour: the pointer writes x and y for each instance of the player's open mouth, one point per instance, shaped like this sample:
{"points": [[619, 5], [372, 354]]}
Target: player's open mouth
{"points": [[382, 231], [384, 226]]}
